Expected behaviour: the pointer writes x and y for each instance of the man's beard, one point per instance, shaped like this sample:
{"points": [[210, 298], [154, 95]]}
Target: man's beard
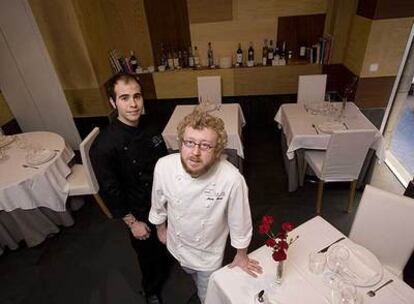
{"points": [[199, 172]]}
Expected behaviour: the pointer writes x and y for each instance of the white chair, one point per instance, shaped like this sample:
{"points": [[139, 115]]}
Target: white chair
{"points": [[82, 180], [342, 161], [384, 223], [209, 88], [311, 88]]}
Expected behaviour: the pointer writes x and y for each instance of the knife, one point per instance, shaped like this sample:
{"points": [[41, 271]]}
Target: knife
{"points": [[325, 249]]}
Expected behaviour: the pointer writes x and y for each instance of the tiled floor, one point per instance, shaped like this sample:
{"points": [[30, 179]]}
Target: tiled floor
{"points": [[61, 267]]}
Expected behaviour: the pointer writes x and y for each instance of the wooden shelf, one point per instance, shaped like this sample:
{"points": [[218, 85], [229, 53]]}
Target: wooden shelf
{"points": [[241, 81]]}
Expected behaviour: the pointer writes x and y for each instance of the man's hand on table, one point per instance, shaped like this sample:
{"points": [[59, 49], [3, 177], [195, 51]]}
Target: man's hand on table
{"points": [[248, 265]]}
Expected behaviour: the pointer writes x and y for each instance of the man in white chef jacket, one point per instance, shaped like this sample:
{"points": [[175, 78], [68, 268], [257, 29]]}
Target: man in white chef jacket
{"points": [[199, 198]]}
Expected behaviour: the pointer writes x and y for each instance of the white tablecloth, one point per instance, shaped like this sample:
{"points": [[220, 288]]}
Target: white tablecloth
{"points": [[231, 114], [297, 123], [29, 188], [233, 286]]}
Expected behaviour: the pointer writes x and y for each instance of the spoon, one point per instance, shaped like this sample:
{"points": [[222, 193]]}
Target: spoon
{"points": [[371, 293], [27, 166]]}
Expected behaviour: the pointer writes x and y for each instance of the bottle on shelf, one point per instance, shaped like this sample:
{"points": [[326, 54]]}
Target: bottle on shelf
{"points": [[283, 54], [175, 60], [180, 59], [185, 59], [239, 56], [210, 56], [270, 53], [170, 60], [250, 55], [265, 51], [276, 55], [133, 62], [196, 58], [302, 51], [163, 57], [190, 57]]}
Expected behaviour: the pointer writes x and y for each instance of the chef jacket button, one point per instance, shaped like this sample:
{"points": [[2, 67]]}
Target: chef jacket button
{"points": [[146, 184], [178, 234], [125, 148], [198, 239], [134, 161], [139, 173]]}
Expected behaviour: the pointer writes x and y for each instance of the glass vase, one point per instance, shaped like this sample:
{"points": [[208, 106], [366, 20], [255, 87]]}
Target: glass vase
{"points": [[279, 272]]}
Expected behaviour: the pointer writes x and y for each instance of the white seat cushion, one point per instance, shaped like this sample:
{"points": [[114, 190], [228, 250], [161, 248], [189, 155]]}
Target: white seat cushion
{"points": [[78, 181], [315, 160]]}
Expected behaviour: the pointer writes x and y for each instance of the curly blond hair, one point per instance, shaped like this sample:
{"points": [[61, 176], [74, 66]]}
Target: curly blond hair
{"points": [[200, 119]]}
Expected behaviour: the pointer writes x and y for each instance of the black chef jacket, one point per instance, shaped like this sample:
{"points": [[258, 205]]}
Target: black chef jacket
{"points": [[123, 158]]}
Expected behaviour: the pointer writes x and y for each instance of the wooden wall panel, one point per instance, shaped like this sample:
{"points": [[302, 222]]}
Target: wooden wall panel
{"points": [[87, 102], [271, 80], [386, 44], [183, 84], [338, 78], [374, 92], [201, 11], [5, 113], [252, 21], [357, 44], [168, 24], [66, 46], [385, 9], [300, 30]]}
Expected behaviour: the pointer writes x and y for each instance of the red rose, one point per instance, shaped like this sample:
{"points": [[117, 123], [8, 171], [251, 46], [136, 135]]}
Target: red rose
{"points": [[264, 229], [267, 220], [286, 226], [270, 243], [283, 244], [281, 235], [279, 255]]}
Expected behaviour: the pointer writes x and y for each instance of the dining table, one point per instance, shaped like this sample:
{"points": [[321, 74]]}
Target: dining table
{"points": [[299, 284], [33, 187], [304, 128], [233, 118]]}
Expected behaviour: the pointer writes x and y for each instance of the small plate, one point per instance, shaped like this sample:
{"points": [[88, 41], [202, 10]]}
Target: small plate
{"points": [[40, 157], [6, 140], [330, 127]]}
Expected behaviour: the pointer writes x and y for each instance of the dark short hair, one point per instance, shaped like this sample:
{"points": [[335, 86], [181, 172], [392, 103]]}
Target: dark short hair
{"points": [[121, 76]]}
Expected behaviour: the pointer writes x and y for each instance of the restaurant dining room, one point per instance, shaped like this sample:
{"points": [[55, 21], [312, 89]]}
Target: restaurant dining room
{"points": [[217, 152]]}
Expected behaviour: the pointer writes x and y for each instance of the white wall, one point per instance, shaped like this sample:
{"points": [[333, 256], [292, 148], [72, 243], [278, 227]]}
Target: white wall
{"points": [[27, 77]]}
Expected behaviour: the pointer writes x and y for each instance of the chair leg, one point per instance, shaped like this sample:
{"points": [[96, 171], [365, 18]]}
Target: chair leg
{"points": [[302, 173], [319, 197], [352, 195], [102, 205]]}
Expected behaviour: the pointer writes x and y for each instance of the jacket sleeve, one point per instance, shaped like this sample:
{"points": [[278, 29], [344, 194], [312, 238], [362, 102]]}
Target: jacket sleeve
{"points": [[158, 212], [104, 164], [239, 216]]}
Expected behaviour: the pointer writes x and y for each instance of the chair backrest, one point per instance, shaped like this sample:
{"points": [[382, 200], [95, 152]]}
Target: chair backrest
{"points": [[346, 154], [311, 88], [84, 148], [209, 88], [384, 223]]}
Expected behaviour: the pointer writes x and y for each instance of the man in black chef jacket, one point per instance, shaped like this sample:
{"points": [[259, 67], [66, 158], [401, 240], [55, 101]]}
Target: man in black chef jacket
{"points": [[123, 157]]}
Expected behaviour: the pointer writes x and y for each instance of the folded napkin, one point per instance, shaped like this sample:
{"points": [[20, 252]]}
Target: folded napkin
{"points": [[330, 126]]}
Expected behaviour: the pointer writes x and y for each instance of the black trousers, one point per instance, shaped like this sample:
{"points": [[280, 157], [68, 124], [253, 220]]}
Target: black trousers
{"points": [[154, 260]]}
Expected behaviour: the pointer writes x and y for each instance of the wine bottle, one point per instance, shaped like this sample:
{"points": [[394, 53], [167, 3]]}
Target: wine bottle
{"points": [[196, 57], [133, 61], [175, 60], [250, 55], [163, 57], [210, 56], [265, 51], [170, 60], [190, 57], [239, 56], [185, 59], [270, 53]]}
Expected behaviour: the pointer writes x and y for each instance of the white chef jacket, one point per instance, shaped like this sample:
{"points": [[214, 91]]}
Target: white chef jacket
{"points": [[201, 211]]}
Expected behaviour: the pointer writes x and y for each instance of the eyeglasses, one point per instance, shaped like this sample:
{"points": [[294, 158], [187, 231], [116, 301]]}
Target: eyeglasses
{"points": [[202, 146]]}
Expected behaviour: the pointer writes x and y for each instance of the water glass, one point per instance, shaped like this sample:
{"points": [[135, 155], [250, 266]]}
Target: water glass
{"points": [[337, 258], [317, 262]]}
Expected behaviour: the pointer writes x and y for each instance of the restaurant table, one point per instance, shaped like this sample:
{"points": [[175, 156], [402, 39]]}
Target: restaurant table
{"points": [[234, 286], [299, 132], [33, 198], [230, 113]]}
